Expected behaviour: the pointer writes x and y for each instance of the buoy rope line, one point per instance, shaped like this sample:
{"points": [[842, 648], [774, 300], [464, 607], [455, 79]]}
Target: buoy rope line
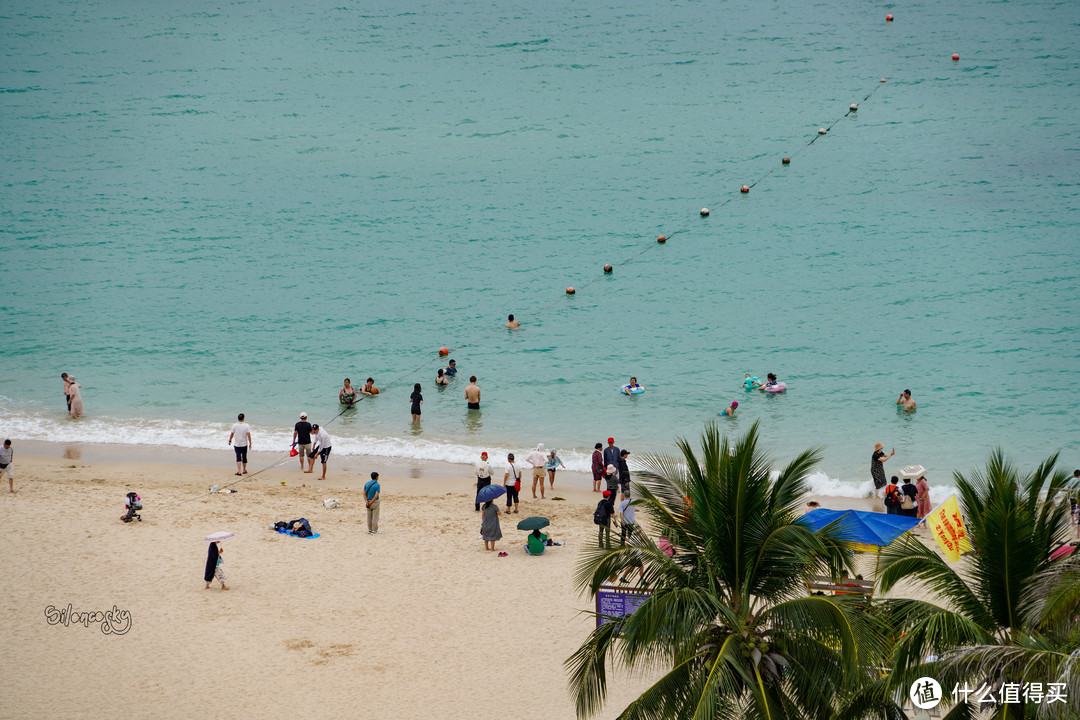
{"points": [[721, 204], [626, 261]]}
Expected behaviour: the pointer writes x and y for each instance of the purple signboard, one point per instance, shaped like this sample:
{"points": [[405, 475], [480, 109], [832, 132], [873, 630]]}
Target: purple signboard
{"points": [[616, 602]]}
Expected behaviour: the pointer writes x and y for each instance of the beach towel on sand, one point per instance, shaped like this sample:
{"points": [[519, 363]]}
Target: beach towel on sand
{"points": [[290, 533]]}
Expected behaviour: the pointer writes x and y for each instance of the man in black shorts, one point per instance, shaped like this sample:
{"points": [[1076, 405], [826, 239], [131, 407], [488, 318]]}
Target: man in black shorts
{"points": [[322, 447], [512, 482], [301, 439]]}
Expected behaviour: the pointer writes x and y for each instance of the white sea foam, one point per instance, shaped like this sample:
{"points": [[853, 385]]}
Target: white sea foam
{"points": [[32, 425]]}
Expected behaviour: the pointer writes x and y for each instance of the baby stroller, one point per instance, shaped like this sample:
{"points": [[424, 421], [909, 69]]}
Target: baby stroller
{"points": [[133, 503]]}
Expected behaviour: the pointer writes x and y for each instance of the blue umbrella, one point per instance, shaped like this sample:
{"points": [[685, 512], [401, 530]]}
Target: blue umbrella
{"points": [[490, 492]]}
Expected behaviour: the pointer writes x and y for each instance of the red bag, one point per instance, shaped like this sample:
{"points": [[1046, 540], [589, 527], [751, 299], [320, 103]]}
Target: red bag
{"points": [[517, 485], [294, 452]]}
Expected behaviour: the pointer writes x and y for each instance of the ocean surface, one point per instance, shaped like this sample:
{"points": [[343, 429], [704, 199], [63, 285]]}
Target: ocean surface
{"points": [[229, 207]]}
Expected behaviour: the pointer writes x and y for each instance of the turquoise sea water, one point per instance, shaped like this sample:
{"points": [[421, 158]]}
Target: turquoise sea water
{"points": [[219, 208]]}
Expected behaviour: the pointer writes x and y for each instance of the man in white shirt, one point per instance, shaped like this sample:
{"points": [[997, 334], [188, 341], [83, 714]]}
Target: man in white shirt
{"points": [[322, 446], [537, 458], [627, 516], [483, 475], [240, 439]]}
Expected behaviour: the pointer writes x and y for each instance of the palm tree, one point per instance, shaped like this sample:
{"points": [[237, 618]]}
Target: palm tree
{"points": [[728, 621], [1008, 610]]}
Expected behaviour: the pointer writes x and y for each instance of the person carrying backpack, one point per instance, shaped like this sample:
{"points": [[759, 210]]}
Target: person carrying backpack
{"points": [[892, 496], [602, 517]]}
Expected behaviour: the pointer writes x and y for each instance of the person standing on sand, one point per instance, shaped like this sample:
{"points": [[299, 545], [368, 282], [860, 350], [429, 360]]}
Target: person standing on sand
{"points": [[597, 468], [909, 501], [213, 566], [490, 530], [7, 464], [67, 386], [627, 517], [512, 486], [301, 440], [74, 398], [602, 517], [240, 439], [877, 467], [611, 453], [923, 497], [417, 400], [322, 447], [537, 458], [624, 471], [372, 491], [611, 478], [551, 465], [472, 394], [483, 475], [906, 401], [511, 323]]}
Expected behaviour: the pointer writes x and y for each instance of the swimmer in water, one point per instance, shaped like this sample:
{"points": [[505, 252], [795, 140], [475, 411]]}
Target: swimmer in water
{"points": [[906, 401], [440, 379], [511, 323], [748, 382], [771, 382], [730, 411], [630, 388], [369, 388], [347, 395]]}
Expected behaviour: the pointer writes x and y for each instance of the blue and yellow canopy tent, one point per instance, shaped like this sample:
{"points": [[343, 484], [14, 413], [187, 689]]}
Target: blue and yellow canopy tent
{"points": [[864, 531]]}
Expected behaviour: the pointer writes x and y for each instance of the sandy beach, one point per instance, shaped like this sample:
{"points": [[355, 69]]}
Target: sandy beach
{"points": [[415, 623]]}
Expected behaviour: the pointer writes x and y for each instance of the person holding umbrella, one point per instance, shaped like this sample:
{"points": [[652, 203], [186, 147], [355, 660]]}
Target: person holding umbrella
{"points": [[214, 559], [489, 527], [536, 542]]}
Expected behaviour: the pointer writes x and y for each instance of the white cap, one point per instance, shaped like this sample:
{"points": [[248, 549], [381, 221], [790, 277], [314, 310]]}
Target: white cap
{"points": [[303, 416], [611, 468]]}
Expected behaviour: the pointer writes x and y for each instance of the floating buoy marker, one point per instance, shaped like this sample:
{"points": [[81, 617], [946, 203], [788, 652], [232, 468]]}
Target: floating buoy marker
{"points": [[955, 56], [607, 269], [821, 131], [570, 291], [786, 160], [853, 107], [882, 80], [745, 189], [443, 351], [704, 212], [661, 239], [888, 18]]}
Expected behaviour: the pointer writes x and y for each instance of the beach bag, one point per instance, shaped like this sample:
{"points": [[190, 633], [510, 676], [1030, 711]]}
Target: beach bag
{"points": [[890, 496], [907, 503]]}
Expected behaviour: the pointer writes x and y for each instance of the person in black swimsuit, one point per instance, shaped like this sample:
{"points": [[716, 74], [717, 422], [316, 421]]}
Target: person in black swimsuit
{"points": [[417, 400]]}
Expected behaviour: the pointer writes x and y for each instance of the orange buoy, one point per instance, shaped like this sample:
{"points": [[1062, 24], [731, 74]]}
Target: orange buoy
{"points": [[704, 212], [443, 351], [607, 268], [888, 18], [821, 131], [955, 56], [661, 239], [853, 107], [786, 160], [882, 80], [744, 189], [570, 291]]}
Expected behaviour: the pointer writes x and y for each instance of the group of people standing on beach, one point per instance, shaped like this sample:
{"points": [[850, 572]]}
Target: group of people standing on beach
{"points": [[912, 500]]}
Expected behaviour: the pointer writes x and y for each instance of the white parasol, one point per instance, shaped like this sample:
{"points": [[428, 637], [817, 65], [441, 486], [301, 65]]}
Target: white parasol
{"points": [[219, 536], [913, 472]]}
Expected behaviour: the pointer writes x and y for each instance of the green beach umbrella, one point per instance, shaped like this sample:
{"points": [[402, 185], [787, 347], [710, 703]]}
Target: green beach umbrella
{"points": [[533, 523]]}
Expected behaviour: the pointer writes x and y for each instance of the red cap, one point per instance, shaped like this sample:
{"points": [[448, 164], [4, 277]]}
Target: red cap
{"points": [[607, 493], [611, 439], [483, 453]]}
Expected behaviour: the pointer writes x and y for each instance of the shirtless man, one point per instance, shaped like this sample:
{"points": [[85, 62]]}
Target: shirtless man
{"points": [[511, 323], [472, 394], [906, 401]]}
